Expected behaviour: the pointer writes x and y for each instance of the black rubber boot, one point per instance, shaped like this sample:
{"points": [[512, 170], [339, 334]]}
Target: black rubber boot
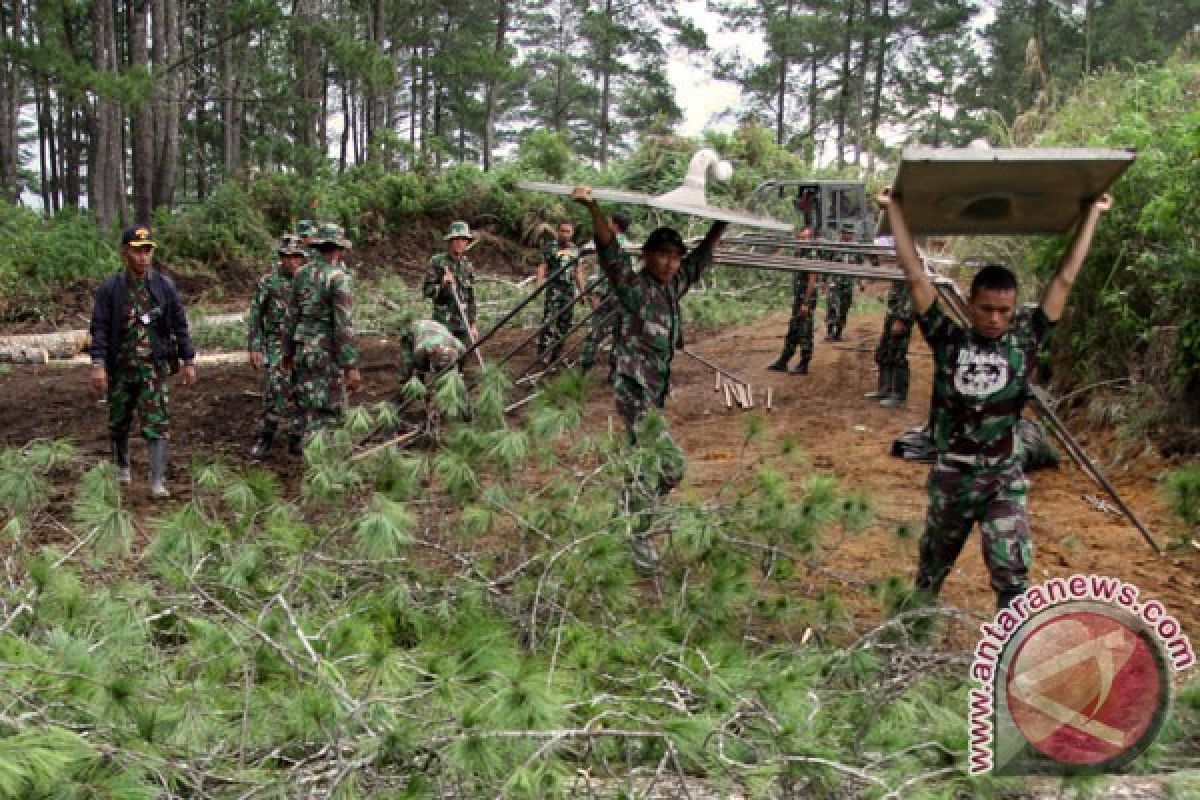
{"points": [[899, 389], [265, 438], [120, 454], [883, 387], [781, 363], [158, 468], [296, 444], [801, 367]]}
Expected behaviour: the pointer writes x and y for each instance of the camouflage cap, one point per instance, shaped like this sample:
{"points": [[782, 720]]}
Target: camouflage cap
{"points": [[289, 245], [137, 236], [331, 233], [306, 228], [459, 230]]}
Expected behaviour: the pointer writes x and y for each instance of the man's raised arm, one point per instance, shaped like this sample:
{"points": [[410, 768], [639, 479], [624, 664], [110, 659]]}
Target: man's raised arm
{"points": [[923, 292], [1055, 296]]}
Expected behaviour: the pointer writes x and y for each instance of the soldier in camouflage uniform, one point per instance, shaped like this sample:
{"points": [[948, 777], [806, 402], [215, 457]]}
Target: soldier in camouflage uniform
{"points": [[264, 339], [427, 348], [804, 307], [839, 296], [981, 381], [604, 321], [139, 334], [891, 354], [560, 266], [650, 331], [450, 284], [318, 338]]}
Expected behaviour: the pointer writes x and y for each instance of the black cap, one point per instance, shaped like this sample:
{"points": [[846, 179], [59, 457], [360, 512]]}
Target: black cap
{"points": [[621, 221], [664, 239], [137, 236]]}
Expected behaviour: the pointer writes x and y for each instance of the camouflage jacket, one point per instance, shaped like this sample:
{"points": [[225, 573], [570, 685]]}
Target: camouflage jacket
{"points": [[444, 309], [845, 258], [427, 346], [319, 319], [980, 385], [899, 302], [648, 315], [561, 264], [800, 278], [268, 313]]}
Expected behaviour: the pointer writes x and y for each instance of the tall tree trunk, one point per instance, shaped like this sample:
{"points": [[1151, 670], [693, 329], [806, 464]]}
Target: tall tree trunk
{"points": [[106, 190], [226, 80], [11, 92], [782, 85], [168, 93], [813, 101], [860, 94], [489, 120], [844, 88], [347, 126], [141, 118], [308, 83], [45, 156], [885, 29], [606, 84]]}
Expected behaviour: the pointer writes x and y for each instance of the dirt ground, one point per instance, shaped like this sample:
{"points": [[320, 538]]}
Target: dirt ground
{"points": [[840, 433]]}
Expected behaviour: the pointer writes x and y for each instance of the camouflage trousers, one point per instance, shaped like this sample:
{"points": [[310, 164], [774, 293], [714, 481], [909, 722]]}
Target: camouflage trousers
{"points": [[318, 391], [449, 316], [892, 350], [961, 495], [839, 296], [556, 320], [277, 392], [143, 390], [800, 327], [602, 324], [667, 464]]}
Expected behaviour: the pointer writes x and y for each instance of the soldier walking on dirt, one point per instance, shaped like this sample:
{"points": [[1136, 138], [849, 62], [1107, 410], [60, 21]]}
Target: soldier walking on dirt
{"points": [[839, 296], [560, 266], [981, 381], [264, 340], [139, 334], [450, 284], [604, 320], [650, 332], [318, 338], [804, 306], [891, 354]]}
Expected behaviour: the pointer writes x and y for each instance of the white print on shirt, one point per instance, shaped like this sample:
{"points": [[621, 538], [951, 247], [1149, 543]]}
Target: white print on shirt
{"points": [[980, 373]]}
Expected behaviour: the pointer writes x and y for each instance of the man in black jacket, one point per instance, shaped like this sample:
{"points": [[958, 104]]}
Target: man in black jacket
{"points": [[139, 336]]}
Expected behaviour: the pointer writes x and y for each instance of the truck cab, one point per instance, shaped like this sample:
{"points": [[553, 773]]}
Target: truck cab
{"points": [[824, 206]]}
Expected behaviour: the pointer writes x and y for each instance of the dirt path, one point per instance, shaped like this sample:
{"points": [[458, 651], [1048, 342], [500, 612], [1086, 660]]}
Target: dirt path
{"points": [[849, 437], [841, 434]]}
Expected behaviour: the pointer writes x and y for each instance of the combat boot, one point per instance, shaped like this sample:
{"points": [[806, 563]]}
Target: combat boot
{"points": [[158, 468], [781, 364], [802, 365], [898, 395], [120, 454], [296, 444], [265, 438], [883, 386]]}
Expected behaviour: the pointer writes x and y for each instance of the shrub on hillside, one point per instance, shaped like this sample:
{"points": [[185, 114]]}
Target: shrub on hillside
{"points": [[1135, 311], [224, 229], [39, 253]]}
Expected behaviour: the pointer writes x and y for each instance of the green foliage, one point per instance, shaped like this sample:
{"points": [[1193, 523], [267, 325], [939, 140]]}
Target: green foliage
{"points": [[41, 254], [226, 229], [1135, 309], [1182, 489]]}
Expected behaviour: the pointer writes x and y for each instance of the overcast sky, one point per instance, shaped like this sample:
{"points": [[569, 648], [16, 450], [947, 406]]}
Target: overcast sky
{"points": [[701, 97]]}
